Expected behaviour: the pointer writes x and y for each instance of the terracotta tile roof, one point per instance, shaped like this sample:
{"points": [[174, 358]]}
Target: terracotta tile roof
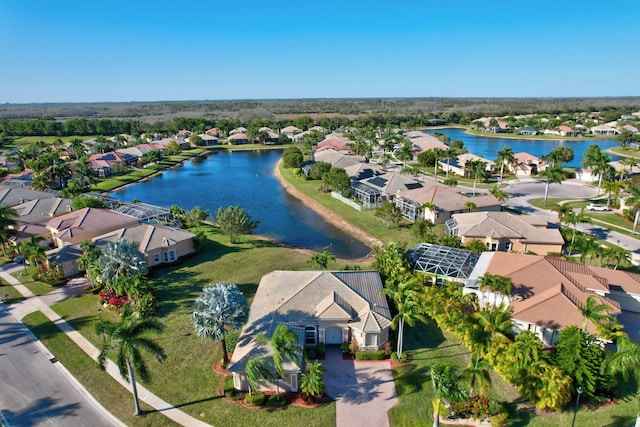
{"points": [[446, 198], [507, 225], [87, 220]]}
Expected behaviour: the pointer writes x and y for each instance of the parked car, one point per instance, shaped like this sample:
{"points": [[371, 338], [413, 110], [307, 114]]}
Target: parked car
{"points": [[20, 260], [597, 207]]}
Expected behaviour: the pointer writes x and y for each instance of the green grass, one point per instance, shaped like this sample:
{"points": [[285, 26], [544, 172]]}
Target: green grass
{"points": [[115, 398], [50, 139], [626, 151], [186, 378], [38, 288], [364, 220], [428, 345], [9, 294]]}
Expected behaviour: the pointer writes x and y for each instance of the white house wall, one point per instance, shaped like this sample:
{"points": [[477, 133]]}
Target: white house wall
{"points": [[628, 302]]}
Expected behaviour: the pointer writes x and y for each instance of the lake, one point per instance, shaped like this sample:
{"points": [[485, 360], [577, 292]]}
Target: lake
{"points": [[245, 178], [488, 147]]}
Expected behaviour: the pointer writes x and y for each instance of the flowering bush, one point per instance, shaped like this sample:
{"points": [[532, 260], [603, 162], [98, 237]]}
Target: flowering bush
{"points": [[111, 298]]}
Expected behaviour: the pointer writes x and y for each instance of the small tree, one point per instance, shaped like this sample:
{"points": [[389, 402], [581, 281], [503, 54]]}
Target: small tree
{"points": [[389, 213], [446, 381], [311, 383], [322, 260], [234, 222], [285, 346]]}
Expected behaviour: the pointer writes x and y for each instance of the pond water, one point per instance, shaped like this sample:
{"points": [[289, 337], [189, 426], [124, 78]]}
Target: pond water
{"points": [[245, 178], [488, 147]]}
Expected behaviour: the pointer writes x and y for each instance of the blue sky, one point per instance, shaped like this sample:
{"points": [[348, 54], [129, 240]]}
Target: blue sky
{"points": [[86, 51]]}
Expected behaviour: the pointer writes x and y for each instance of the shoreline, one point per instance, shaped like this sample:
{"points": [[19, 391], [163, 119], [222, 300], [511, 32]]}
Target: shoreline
{"points": [[326, 213], [523, 137]]}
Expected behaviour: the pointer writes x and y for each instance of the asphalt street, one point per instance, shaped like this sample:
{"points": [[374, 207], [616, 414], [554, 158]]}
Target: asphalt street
{"points": [[35, 391]]}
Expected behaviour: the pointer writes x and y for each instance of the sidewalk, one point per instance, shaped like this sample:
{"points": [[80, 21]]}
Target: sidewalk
{"points": [[35, 303]]}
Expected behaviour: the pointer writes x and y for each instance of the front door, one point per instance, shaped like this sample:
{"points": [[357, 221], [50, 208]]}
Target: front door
{"points": [[333, 336]]}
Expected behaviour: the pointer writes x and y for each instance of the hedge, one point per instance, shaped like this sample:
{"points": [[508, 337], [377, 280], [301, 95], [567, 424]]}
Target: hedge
{"points": [[371, 355]]}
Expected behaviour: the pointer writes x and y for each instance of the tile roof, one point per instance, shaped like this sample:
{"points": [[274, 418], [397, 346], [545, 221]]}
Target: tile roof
{"points": [[87, 220], [299, 298], [529, 228], [446, 198]]}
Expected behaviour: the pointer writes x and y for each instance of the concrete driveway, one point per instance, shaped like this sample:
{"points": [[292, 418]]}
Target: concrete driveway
{"points": [[364, 391]]}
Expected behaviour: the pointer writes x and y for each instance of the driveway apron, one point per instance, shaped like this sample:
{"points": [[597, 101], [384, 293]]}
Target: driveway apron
{"points": [[364, 391]]}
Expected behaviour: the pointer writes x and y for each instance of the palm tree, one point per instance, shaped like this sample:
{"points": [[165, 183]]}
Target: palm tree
{"points": [[35, 252], [311, 383], [595, 312], [587, 246], [597, 160], [499, 284], [406, 151], [478, 374], [471, 206], [437, 152], [257, 369], [406, 297], [476, 169], [40, 181], [626, 360], [630, 162], [612, 188], [564, 211], [126, 338], [551, 173], [499, 193], [221, 307], [633, 201], [496, 321], [76, 146], [451, 153], [574, 219], [505, 156], [120, 258], [8, 223], [446, 381], [285, 346]]}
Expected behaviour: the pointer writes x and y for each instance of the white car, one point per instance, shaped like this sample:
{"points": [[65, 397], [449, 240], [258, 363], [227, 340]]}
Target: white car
{"points": [[596, 207]]}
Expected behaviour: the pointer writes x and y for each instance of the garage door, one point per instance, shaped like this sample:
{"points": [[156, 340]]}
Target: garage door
{"points": [[333, 336]]}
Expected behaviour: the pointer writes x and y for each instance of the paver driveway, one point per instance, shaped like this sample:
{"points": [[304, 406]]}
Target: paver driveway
{"points": [[364, 391]]}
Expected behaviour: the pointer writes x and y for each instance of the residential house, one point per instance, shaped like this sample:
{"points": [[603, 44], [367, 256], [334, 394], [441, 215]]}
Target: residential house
{"points": [[568, 131], [290, 131], [421, 141], [546, 292], [77, 226], [458, 164], [328, 307], [630, 128], [12, 196], [270, 137], [159, 244], [605, 129], [183, 135], [391, 184], [41, 210], [213, 132], [529, 130], [210, 140], [504, 231], [527, 164], [336, 159], [446, 201], [335, 142], [240, 129], [239, 138]]}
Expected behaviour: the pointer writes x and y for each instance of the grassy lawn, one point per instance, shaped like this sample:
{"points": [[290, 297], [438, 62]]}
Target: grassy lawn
{"points": [[115, 398], [38, 288], [626, 151], [50, 139], [364, 220], [9, 294], [186, 378]]}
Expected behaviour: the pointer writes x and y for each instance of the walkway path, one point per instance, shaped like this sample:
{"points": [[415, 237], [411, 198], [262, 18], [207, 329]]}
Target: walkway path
{"points": [[35, 303], [364, 391]]}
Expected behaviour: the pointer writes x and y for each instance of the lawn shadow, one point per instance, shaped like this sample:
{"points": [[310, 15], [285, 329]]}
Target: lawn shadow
{"points": [[621, 421], [520, 412], [411, 379], [193, 402]]}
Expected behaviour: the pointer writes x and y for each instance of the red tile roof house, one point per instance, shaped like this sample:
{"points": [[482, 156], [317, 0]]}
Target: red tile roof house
{"points": [[447, 201], [547, 290], [527, 164], [334, 143], [289, 131], [239, 138], [329, 307], [103, 163], [86, 223]]}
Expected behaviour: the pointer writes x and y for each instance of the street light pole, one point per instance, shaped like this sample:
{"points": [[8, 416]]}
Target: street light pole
{"points": [[104, 340], [575, 411]]}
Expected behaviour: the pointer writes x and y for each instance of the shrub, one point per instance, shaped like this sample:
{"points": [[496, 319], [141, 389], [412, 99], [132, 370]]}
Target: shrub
{"points": [[111, 298], [312, 354], [148, 304], [370, 355], [345, 347], [320, 348], [499, 420], [353, 347], [274, 401], [402, 359], [231, 340], [255, 399]]}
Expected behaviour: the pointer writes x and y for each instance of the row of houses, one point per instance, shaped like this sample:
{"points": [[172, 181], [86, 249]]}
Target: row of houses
{"points": [[52, 217]]}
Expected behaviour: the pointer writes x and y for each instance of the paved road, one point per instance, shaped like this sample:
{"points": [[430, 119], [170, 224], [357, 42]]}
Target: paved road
{"points": [[35, 391]]}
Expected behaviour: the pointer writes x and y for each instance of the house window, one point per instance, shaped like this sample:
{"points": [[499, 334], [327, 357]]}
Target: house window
{"points": [[371, 340], [492, 246], [310, 336], [170, 256], [156, 258], [508, 246]]}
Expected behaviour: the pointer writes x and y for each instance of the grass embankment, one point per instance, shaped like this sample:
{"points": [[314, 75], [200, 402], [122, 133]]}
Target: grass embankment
{"points": [[186, 379], [115, 398], [626, 151]]}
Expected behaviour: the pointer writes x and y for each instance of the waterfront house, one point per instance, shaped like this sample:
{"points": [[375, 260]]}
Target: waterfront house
{"points": [[504, 231], [605, 129], [529, 130], [458, 165], [77, 226], [322, 307], [13, 195], [209, 140], [238, 138], [527, 164], [41, 210], [335, 142], [240, 129], [213, 132], [445, 200]]}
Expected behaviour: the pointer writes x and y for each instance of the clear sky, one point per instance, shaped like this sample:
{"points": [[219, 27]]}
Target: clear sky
{"points": [[143, 50]]}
